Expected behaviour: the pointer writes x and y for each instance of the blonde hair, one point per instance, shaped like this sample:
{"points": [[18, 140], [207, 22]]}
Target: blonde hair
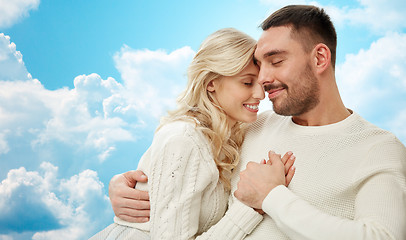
{"points": [[226, 52]]}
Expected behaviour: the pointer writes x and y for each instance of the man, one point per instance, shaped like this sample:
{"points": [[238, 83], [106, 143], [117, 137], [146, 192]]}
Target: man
{"points": [[350, 180]]}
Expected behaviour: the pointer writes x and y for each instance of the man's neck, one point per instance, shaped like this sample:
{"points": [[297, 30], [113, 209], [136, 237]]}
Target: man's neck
{"points": [[320, 117], [330, 108]]}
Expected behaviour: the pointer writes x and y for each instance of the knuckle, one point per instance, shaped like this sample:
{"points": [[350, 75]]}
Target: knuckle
{"points": [[242, 174]]}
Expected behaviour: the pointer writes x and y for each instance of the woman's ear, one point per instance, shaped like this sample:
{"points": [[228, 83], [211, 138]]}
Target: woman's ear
{"points": [[322, 57], [211, 87]]}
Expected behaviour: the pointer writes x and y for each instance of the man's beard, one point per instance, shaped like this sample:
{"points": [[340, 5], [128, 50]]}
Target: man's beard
{"points": [[301, 98]]}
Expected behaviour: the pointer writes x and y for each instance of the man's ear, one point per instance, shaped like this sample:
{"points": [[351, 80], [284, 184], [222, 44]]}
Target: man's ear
{"points": [[211, 86], [322, 57]]}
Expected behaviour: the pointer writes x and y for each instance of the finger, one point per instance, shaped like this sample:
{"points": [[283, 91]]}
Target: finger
{"points": [[251, 164], [286, 157], [135, 176], [134, 204], [133, 212], [118, 181], [274, 158], [289, 163], [130, 193], [270, 153], [139, 195], [290, 174], [134, 219]]}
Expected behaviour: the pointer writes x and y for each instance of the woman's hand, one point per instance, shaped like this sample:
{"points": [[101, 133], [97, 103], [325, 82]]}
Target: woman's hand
{"points": [[258, 179], [288, 160]]}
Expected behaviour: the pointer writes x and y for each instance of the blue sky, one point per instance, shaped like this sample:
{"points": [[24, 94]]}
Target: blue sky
{"points": [[83, 84]]}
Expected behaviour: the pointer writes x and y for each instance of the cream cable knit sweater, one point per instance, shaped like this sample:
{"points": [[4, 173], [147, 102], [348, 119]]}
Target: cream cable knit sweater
{"points": [[349, 181], [185, 194]]}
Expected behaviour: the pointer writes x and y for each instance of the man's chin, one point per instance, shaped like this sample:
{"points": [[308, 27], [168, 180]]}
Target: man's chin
{"points": [[281, 111]]}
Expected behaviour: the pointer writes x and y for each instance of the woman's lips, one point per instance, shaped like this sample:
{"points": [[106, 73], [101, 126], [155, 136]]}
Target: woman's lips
{"points": [[251, 107]]}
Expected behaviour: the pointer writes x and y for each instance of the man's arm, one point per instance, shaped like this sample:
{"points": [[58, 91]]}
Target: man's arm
{"points": [[238, 221], [128, 203], [133, 205], [380, 205]]}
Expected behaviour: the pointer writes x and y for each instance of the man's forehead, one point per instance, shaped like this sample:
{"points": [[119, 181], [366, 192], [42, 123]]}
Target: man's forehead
{"points": [[273, 39], [262, 42], [264, 45]]}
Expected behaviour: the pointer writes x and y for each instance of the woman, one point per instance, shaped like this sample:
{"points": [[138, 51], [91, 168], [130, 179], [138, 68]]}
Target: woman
{"points": [[197, 146]]}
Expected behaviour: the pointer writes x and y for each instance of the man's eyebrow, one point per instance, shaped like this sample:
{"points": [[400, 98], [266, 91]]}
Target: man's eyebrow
{"points": [[273, 52], [269, 54]]}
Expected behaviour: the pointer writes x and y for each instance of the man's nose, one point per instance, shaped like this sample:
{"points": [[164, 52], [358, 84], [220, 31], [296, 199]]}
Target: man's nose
{"points": [[265, 75]]}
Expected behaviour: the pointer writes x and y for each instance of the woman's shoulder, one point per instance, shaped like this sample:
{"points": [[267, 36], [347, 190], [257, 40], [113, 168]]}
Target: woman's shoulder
{"points": [[178, 127], [181, 131]]}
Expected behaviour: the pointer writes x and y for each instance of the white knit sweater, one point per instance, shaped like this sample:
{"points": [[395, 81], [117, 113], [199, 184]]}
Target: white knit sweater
{"points": [[185, 194], [349, 181]]}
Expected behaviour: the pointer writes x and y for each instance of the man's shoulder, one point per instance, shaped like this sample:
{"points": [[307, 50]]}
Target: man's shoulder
{"points": [[362, 127], [382, 146]]}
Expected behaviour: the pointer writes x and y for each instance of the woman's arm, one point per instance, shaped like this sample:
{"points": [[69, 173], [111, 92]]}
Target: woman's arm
{"points": [[178, 177]]}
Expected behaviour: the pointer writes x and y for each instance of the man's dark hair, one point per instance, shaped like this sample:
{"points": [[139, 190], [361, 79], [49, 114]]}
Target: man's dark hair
{"points": [[310, 25]]}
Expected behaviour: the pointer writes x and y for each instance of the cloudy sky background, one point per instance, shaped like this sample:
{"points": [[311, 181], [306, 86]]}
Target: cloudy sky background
{"points": [[83, 84]]}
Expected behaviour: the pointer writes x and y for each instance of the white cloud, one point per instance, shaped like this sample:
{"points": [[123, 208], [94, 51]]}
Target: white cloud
{"points": [[74, 117], [97, 113], [11, 11], [398, 125], [11, 61], [373, 81], [67, 208], [379, 16], [282, 3], [379, 70], [6, 237], [4, 148], [61, 125], [153, 78], [78, 116]]}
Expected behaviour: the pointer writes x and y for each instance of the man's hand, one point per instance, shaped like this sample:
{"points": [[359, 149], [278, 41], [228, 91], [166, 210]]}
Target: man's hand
{"points": [[129, 204], [258, 179]]}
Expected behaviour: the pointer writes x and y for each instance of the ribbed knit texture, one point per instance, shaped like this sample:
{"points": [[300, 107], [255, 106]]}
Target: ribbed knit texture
{"points": [[185, 194], [349, 181]]}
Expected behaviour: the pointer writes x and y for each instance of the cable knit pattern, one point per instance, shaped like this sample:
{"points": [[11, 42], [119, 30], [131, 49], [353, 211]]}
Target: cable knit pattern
{"points": [[349, 183], [187, 200]]}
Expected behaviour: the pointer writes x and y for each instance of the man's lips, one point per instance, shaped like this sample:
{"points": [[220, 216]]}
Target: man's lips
{"points": [[273, 91]]}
